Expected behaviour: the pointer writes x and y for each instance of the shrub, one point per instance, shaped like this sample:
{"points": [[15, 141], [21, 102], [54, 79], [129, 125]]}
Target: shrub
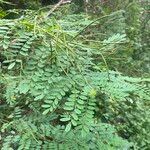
{"points": [[53, 85]]}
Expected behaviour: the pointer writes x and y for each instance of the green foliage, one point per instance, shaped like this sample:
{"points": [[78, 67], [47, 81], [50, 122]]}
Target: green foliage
{"points": [[58, 90], [45, 136]]}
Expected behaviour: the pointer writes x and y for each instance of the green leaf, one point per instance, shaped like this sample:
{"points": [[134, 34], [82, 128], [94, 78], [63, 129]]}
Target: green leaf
{"points": [[83, 133], [64, 119], [24, 49], [68, 127], [39, 97], [68, 108], [83, 97], [80, 101], [18, 60], [4, 28], [86, 129], [59, 96], [26, 46], [66, 89], [50, 81], [77, 111], [74, 122], [46, 106], [62, 93], [69, 103], [8, 61], [5, 46], [23, 53], [80, 106], [11, 65], [24, 88], [46, 111], [75, 117], [48, 101], [91, 107], [51, 109], [56, 101]]}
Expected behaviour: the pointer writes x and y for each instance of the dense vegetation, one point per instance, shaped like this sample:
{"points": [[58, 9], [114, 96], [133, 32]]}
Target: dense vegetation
{"points": [[74, 75]]}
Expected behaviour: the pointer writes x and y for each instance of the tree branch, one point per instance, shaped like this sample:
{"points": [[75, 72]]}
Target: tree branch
{"points": [[61, 2]]}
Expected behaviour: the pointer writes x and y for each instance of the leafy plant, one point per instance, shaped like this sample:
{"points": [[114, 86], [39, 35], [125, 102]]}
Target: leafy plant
{"points": [[56, 86]]}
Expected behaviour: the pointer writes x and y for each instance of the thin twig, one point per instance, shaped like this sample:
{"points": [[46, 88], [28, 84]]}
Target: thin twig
{"points": [[61, 2]]}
